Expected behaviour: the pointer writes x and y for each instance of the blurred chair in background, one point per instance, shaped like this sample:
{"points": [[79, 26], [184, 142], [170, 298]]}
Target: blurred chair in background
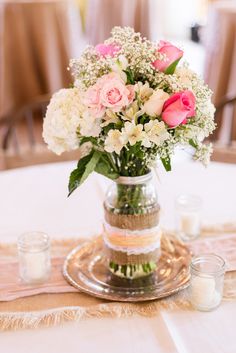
{"points": [[103, 15], [21, 137], [220, 75], [225, 152], [220, 43], [227, 103]]}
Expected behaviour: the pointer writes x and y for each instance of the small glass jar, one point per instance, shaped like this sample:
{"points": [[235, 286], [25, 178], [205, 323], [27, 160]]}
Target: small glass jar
{"points": [[188, 216], [34, 257], [207, 281]]}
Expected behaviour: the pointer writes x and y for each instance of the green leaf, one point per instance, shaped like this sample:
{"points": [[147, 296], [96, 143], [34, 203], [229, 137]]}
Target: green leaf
{"points": [[166, 163], [91, 139], [171, 69], [85, 166], [105, 167], [130, 76], [107, 128], [143, 119], [192, 143]]}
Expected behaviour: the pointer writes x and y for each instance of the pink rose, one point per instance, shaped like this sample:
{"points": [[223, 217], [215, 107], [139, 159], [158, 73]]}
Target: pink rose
{"points": [[131, 95], [92, 100], [114, 93], [171, 52], [178, 108], [107, 49]]}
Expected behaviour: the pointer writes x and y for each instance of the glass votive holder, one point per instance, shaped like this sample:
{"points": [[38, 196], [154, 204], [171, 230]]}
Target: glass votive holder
{"points": [[34, 257], [188, 216], [207, 281]]}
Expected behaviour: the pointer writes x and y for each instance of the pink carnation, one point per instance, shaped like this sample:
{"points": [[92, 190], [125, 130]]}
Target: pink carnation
{"points": [[107, 49]]}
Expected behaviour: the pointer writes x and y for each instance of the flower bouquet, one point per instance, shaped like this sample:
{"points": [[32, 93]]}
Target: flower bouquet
{"points": [[131, 104]]}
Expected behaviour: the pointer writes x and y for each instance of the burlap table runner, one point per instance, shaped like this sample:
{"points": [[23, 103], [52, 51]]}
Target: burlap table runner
{"points": [[55, 308]]}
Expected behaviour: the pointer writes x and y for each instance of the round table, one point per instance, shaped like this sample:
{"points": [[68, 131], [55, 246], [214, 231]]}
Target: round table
{"points": [[35, 198]]}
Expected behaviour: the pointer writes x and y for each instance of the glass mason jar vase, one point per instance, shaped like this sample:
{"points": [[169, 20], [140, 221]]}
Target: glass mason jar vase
{"points": [[131, 229]]}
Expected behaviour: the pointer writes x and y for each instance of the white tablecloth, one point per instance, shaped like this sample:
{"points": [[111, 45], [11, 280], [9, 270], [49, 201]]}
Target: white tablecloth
{"points": [[35, 198]]}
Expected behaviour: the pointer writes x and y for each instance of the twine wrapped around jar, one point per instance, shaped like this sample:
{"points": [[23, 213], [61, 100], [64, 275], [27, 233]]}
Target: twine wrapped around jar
{"points": [[134, 221], [122, 258]]}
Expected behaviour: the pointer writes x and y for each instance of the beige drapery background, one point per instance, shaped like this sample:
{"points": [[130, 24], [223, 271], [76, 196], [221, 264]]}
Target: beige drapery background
{"points": [[220, 68], [35, 46], [37, 39], [103, 15]]}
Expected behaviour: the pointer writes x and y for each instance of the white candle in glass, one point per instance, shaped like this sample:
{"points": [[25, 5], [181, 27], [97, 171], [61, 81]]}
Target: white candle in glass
{"points": [[190, 223], [207, 279], [34, 256], [188, 209]]}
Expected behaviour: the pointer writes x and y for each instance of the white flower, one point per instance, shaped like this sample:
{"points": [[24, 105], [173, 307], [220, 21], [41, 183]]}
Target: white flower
{"points": [[123, 62], [193, 132], [185, 76], [132, 112], [132, 133], [155, 132], [89, 125], [144, 91], [114, 141], [62, 120], [207, 108], [109, 118], [153, 107], [119, 66], [203, 153]]}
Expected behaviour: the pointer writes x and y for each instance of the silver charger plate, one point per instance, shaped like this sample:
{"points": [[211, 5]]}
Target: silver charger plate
{"points": [[86, 269]]}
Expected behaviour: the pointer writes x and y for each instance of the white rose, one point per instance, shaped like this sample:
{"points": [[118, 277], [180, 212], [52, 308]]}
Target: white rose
{"points": [[154, 105], [62, 120]]}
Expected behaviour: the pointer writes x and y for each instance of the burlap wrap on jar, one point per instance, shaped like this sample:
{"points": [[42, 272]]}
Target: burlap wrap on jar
{"points": [[132, 234]]}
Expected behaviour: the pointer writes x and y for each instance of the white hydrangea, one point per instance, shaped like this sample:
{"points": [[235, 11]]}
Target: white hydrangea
{"points": [[62, 120], [89, 125]]}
